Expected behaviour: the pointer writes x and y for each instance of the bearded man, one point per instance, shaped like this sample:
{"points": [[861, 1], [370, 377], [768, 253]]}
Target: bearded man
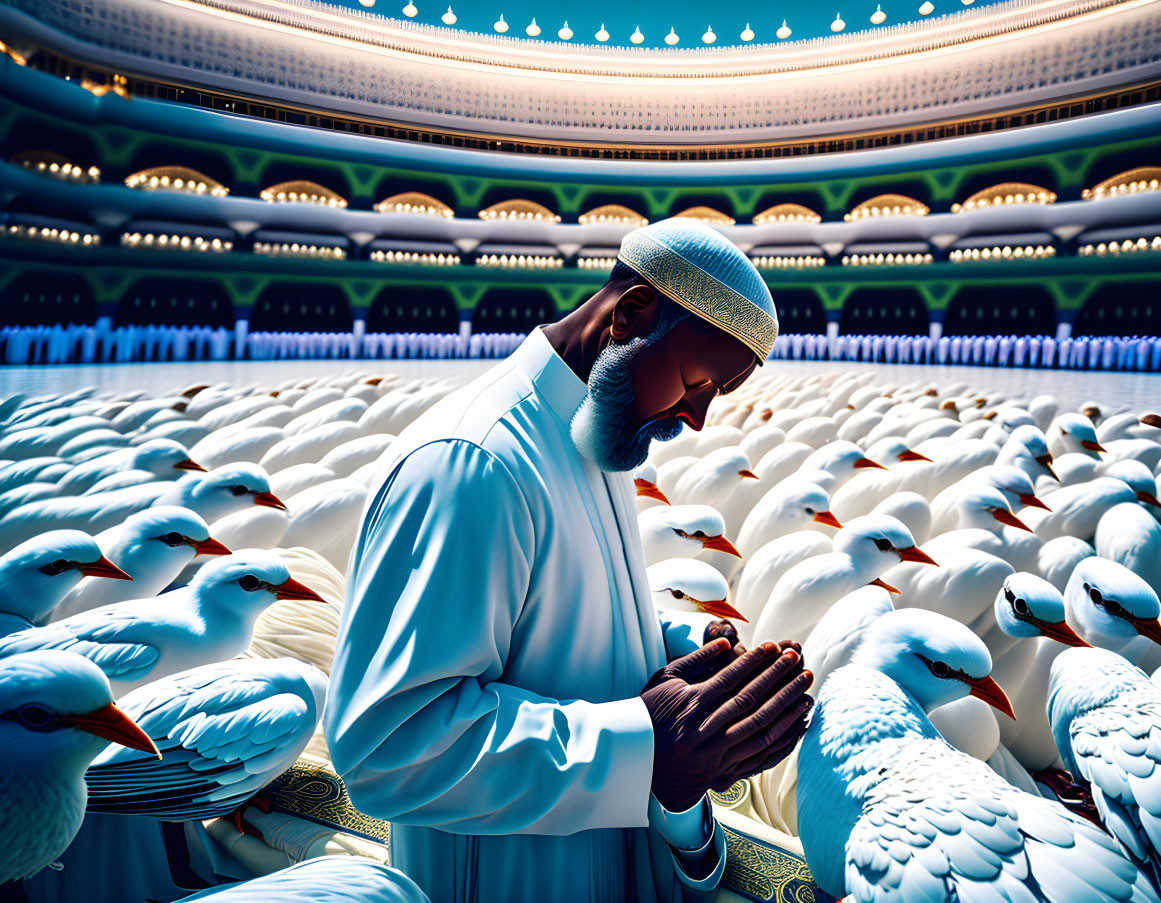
{"points": [[503, 690]]}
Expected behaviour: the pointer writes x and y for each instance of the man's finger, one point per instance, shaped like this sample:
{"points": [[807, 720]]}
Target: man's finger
{"points": [[735, 675], [767, 758], [790, 644], [780, 727], [702, 662], [771, 708], [754, 695]]}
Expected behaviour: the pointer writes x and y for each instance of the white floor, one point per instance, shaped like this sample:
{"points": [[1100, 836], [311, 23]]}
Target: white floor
{"points": [[1114, 391]]}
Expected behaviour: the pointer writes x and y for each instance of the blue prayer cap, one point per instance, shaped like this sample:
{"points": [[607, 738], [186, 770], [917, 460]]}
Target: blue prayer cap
{"points": [[706, 273]]}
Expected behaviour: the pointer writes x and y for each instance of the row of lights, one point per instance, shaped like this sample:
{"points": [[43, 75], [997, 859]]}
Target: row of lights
{"points": [[66, 172], [298, 249], [1127, 246], [1022, 194], [1005, 252], [1143, 178], [151, 241], [187, 181], [533, 30], [542, 215], [788, 263], [887, 205], [596, 263], [436, 260], [44, 233], [891, 260], [519, 262]]}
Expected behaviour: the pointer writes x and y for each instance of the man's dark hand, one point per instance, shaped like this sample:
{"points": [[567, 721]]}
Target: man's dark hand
{"points": [[718, 719]]}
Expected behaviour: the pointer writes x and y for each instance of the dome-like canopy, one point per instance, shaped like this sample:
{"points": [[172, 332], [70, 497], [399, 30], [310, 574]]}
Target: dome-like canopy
{"points": [[1141, 178], [519, 208], [1007, 193], [303, 192], [613, 213], [786, 213], [53, 164], [176, 178], [707, 215], [414, 202], [888, 205]]}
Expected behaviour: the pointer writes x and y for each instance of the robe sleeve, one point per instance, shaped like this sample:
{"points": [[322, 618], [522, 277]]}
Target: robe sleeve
{"points": [[419, 725]]}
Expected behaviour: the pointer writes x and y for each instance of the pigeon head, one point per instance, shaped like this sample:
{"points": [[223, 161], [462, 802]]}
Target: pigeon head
{"points": [[1028, 606], [1027, 449], [56, 710], [892, 449], [983, 506], [682, 531], [1015, 484], [645, 482], [934, 658], [39, 572], [1111, 605], [1137, 477], [232, 488], [841, 459], [878, 542], [169, 533], [687, 584], [248, 582], [164, 458], [1075, 433]]}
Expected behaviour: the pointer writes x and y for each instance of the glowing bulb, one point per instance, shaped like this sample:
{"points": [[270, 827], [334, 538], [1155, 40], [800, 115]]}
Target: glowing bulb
{"points": [[448, 18], [838, 24], [367, 3], [500, 25], [784, 32], [636, 37], [709, 37], [602, 35], [410, 10], [967, 2], [878, 17], [672, 37], [532, 30], [748, 33], [565, 34], [927, 8]]}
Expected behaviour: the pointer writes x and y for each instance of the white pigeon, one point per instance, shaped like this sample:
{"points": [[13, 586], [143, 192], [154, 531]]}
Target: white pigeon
{"points": [[791, 506], [152, 547], [1073, 433], [1076, 510], [224, 731], [648, 493], [986, 523], [56, 716], [690, 586], [1130, 535], [1106, 718], [163, 458], [1115, 609], [37, 574], [682, 531], [761, 571], [142, 640], [889, 811], [864, 549]]}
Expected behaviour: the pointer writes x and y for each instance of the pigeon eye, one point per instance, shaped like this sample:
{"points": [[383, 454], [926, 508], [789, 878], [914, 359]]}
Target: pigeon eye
{"points": [[810, 511], [883, 545], [677, 594], [940, 669], [1114, 608], [56, 567], [35, 717], [1021, 607], [173, 539], [681, 533], [700, 534], [1095, 595], [239, 490], [249, 583]]}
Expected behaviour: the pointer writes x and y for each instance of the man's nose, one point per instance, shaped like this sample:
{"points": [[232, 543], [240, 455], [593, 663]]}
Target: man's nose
{"points": [[698, 401]]}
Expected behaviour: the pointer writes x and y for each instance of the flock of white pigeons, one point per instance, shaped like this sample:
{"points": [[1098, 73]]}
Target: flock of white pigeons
{"points": [[974, 578]]}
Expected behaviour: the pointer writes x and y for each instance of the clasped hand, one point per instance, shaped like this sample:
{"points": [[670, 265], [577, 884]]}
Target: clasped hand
{"points": [[718, 719]]}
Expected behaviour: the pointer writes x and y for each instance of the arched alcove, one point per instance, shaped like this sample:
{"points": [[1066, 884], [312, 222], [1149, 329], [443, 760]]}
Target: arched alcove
{"points": [[46, 298], [513, 310], [799, 311], [413, 308], [301, 307], [175, 301], [878, 310], [1122, 308], [1001, 310]]}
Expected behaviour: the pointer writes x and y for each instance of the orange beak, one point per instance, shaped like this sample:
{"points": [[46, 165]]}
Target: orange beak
{"points": [[103, 567], [268, 500], [1032, 502], [748, 474], [1062, 633], [372, 380], [909, 455], [188, 464], [1009, 519], [990, 692], [647, 490], [209, 547], [1093, 446], [883, 585], [1045, 461], [110, 723], [720, 544], [292, 589], [193, 390], [1149, 499], [867, 462], [916, 555], [825, 517], [1147, 627], [721, 608]]}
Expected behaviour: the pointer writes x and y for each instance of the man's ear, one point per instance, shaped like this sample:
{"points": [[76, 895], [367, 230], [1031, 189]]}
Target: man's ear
{"points": [[635, 313]]}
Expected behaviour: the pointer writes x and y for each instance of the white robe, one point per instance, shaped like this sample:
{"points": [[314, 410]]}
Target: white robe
{"points": [[497, 632]]}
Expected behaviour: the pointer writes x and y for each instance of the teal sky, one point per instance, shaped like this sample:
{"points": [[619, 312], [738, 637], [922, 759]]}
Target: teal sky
{"points": [[689, 17]]}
